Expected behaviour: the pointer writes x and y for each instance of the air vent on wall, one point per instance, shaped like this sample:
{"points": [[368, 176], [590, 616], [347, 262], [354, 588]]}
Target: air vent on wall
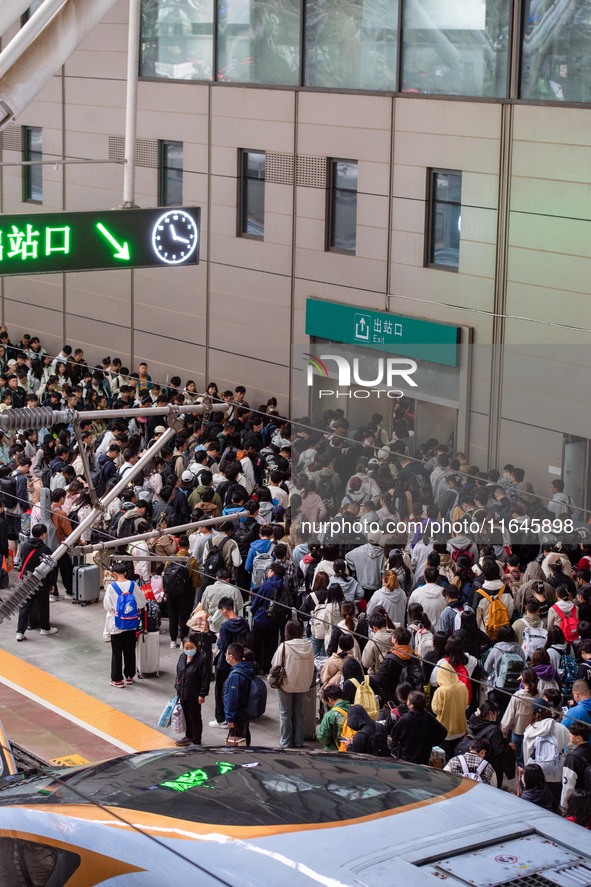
{"points": [[279, 168], [311, 171], [12, 138], [146, 151]]}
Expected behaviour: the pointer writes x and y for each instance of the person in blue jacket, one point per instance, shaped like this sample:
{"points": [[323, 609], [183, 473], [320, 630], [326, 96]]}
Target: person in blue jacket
{"points": [[236, 690], [260, 546], [581, 710], [265, 634]]}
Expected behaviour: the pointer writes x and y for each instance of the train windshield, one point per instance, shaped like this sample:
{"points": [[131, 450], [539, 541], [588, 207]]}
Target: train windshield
{"points": [[246, 787]]}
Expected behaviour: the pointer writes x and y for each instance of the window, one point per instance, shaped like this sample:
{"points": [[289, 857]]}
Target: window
{"points": [[251, 213], [176, 41], [342, 205], [456, 48], [170, 192], [32, 173], [444, 218], [351, 44], [555, 52], [259, 41]]}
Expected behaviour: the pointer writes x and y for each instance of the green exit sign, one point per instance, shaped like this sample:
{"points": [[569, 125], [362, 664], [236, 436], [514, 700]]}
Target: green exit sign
{"points": [[90, 241]]}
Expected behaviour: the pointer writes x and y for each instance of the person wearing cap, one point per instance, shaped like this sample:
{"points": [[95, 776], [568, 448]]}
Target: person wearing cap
{"points": [[122, 640], [545, 726], [558, 577]]}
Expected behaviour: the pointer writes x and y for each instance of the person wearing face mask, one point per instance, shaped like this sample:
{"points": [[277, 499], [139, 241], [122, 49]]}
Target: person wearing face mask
{"points": [[192, 686]]}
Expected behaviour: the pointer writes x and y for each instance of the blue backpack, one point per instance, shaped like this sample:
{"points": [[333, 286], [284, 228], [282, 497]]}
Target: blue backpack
{"points": [[257, 699], [127, 617]]}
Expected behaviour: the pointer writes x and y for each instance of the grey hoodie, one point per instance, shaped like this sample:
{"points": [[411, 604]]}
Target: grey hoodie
{"points": [[368, 562]]}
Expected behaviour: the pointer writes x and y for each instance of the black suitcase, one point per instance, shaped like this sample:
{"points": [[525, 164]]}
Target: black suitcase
{"points": [[87, 584]]}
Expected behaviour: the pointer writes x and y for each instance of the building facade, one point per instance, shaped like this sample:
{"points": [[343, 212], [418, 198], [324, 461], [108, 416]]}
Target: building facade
{"points": [[426, 160]]}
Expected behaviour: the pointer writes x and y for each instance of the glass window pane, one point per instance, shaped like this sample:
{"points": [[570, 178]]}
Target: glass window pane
{"points": [[33, 175], [351, 44], [259, 41], [252, 210], [171, 174], [456, 48], [343, 205], [555, 52], [446, 219], [177, 39]]}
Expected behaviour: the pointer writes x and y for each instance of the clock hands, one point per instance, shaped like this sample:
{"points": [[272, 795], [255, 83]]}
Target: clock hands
{"points": [[175, 236]]}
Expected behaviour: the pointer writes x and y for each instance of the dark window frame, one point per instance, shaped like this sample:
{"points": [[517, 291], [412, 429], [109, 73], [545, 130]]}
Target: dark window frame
{"points": [[30, 155], [164, 167], [331, 191], [431, 205], [242, 201]]}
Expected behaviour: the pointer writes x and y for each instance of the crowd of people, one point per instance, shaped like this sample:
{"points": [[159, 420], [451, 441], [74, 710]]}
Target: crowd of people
{"points": [[468, 650]]}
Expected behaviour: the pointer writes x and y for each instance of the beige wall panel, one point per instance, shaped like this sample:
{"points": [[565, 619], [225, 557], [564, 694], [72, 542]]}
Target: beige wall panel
{"points": [[189, 360], [479, 224], [280, 228], [224, 191], [162, 95], [477, 454], [243, 252], [555, 235], [42, 322], [538, 302], [567, 163], [340, 270], [110, 66], [103, 94], [444, 288], [337, 110], [374, 178], [480, 190], [309, 288], [98, 338], [372, 243], [179, 289], [343, 142], [43, 291], [107, 34], [261, 378], [525, 334], [311, 204], [408, 215], [407, 248], [100, 120], [447, 151], [559, 272], [264, 135], [249, 105], [478, 259], [565, 198], [224, 161], [568, 126], [310, 234], [195, 193], [533, 449], [372, 211], [435, 117], [175, 326], [409, 181]]}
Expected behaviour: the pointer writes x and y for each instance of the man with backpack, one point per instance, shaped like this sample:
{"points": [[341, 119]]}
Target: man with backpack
{"points": [[399, 666], [32, 553], [473, 764], [260, 556], [214, 594], [233, 630], [123, 602], [219, 552], [494, 602], [236, 692], [504, 665], [543, 744], [451, 617], [178, 583]]}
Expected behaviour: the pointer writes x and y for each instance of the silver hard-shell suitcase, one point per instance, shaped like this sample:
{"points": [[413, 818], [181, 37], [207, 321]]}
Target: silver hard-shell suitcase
{"points": [[86, 584], [147, 654]]}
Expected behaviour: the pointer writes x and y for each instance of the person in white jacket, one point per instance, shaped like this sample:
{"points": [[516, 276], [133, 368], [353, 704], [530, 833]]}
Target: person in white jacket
{"points": [[536, 751], [296, 656], [430, 596]]}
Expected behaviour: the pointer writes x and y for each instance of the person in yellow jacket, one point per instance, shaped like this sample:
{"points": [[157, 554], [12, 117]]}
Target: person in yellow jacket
{"points": [[449, 704]]}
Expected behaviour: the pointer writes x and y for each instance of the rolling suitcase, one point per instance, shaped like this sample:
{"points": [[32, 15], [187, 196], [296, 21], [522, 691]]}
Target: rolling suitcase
{"points": [[148, 654], [86, 584]]}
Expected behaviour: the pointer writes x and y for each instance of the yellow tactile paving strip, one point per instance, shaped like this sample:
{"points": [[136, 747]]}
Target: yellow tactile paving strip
{"points": [[80, 708]]}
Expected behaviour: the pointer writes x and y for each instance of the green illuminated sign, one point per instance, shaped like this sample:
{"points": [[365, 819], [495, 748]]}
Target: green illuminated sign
{"points": [[129, 238], [392, 333]]}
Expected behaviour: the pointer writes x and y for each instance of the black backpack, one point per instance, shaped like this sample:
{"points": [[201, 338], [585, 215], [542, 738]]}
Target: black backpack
{"points": [[8, 491], [412, 674], [279, 611], [176, 580], [214, 561], [377, 743], [97, 476], [244, 534], [325, 490]]}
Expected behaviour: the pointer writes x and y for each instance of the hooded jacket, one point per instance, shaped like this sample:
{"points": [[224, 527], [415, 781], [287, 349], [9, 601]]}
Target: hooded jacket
{"points": [[492, 587], [374, 652], [230, 631], [430, 597], [492, 662], [31, 554], [368, 563], [547, 678], [581, 711], [519, 713], [566, 607], [331, 726], [236, 690], [545, 727], [449, 703], [389, 673], [359, 720], [299, 664], [414, 736], [529, 620], [393, 602], [352, 590], [262, 601]]}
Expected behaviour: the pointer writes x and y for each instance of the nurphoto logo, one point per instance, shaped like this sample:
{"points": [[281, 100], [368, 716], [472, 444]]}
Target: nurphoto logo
{"points": [[388, 371]]}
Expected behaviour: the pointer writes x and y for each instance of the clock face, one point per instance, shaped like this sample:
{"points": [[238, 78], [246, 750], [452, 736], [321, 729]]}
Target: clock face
{"points": [[174, 237]]}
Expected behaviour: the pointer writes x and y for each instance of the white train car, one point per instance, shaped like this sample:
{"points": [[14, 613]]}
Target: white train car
{"points": [[264, 818]]}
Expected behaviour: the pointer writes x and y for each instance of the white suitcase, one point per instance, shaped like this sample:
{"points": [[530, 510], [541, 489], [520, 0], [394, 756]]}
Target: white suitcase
{"points": [[148, 654]]}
